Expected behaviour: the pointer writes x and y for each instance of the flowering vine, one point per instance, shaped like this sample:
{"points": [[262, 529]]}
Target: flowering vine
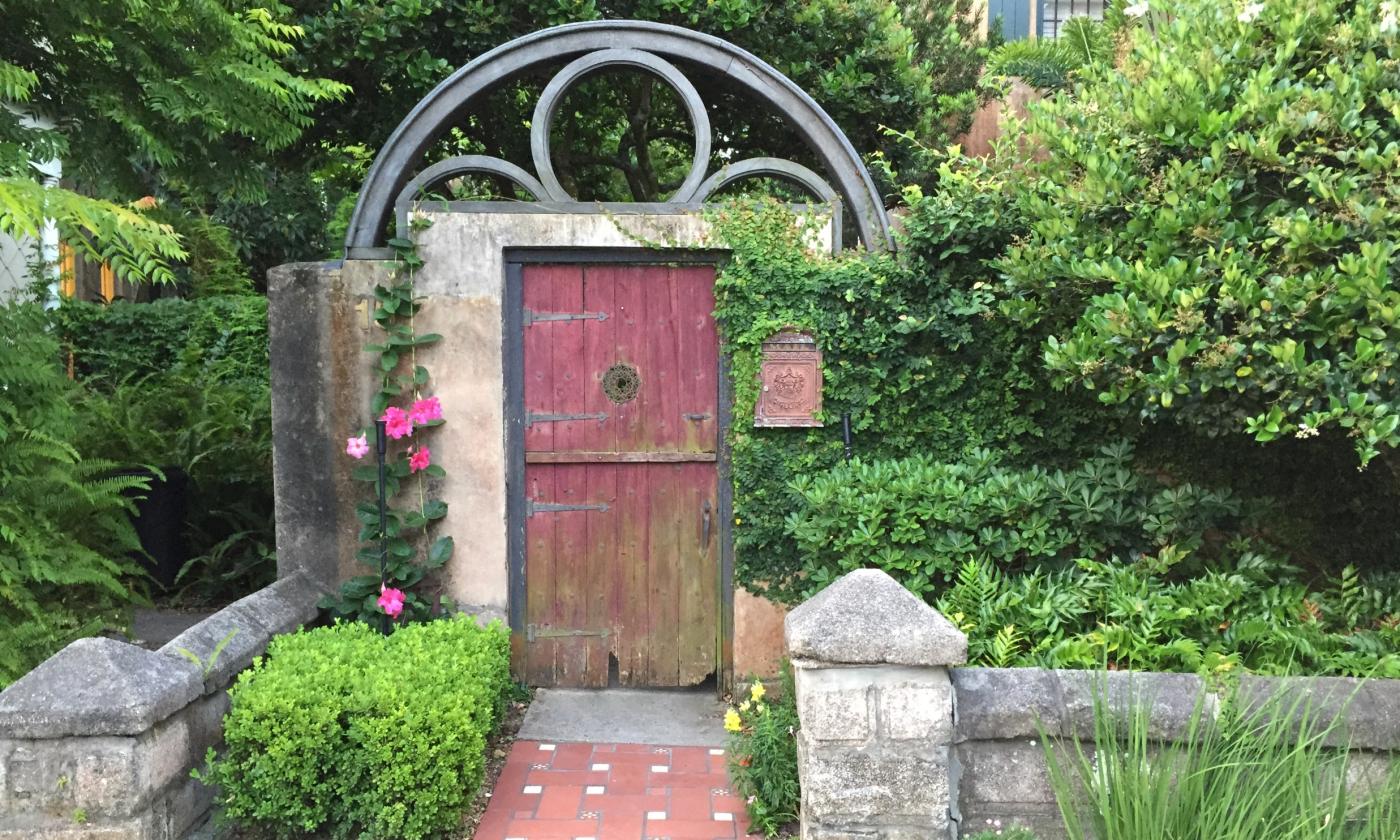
{"points": [[405, 551]]}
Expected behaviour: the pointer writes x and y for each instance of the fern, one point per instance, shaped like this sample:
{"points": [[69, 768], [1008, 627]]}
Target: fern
{"points": [[65, 533]]}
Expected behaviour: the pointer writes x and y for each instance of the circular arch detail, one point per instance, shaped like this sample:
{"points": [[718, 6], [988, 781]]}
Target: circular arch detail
{"points": [[391, 171], [553, 96]]}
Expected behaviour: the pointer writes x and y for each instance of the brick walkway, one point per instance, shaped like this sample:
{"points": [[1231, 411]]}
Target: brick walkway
{"points": [[612, 792]]}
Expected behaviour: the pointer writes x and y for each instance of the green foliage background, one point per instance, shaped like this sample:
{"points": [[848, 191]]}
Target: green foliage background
{"points": [[64, 531]]}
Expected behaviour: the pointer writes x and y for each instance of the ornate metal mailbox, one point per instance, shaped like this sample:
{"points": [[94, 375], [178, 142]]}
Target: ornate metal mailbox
{"points": [[790, 381]]}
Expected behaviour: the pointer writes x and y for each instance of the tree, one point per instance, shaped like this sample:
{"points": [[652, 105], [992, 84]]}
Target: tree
{"points": [[138, 98], [625, 137], [1215, 221]]}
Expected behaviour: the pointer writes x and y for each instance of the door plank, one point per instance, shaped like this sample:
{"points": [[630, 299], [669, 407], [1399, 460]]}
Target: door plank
{"points": [[631, 604], [539, 575], [698, 623], [599, 354]]}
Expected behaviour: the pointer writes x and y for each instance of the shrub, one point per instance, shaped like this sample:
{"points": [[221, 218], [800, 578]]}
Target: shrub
{"points": [[763, 755], [1212, 223], [1249, 771], [64, 529], [184, 384], [1092, 565], [348, 732]]}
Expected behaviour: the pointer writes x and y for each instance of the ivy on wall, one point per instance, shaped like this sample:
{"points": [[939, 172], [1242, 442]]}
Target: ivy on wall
{"points": [[913, 350]]}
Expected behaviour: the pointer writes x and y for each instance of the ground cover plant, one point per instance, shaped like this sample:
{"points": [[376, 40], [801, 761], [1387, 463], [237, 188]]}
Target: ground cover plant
{"points": [[349, 732], [763, 754], [1248, 771]]}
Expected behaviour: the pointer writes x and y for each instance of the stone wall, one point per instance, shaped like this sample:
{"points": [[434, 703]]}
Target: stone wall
{"points": [[897, 745], [98, 742], [1001, 773]]}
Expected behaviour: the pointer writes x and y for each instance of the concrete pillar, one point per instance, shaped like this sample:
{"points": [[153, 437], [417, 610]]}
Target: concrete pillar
{"points": [[871, 662]]}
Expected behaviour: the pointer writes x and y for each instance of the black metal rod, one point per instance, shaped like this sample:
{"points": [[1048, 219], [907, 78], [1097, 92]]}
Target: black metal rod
{"points": [[846, 432], [381, 448]]}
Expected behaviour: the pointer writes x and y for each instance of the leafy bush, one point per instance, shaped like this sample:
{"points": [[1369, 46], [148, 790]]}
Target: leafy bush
{"points": [[179, 383], [64, 529], [345, 731], [111, 342], [1247, 772], [218, 429], [1213, 226], [763, 755], [1092, 565]]}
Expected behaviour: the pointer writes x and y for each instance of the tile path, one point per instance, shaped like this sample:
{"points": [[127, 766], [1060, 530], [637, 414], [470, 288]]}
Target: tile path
{"points": [[612, 792]]}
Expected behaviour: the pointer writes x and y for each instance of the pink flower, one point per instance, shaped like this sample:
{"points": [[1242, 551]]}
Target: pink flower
{"points": [[391, 601], [357, 447], [425, 410], [419, 460], [396, 423]]}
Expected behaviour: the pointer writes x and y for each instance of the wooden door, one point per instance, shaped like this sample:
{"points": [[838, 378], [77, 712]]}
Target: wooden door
{"points": [[621, 396]]}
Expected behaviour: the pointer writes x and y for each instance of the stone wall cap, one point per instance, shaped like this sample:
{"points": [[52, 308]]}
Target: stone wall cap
{"points": [[867, 618], [97, 686]]}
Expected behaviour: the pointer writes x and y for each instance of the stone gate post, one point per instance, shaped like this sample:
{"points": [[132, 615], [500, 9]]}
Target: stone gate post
{"points": [[870, 661]]}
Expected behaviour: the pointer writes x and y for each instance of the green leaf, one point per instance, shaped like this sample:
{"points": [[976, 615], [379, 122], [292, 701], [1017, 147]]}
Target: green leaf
{"points": [[440, 552]]}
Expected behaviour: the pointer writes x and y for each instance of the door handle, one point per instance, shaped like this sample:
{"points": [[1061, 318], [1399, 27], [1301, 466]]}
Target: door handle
{"points": [[705, 524]]}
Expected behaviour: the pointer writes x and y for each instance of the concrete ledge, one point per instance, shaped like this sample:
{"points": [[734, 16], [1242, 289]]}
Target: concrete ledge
{"points": [[1021, 703], [97, 743], [97, 687]]}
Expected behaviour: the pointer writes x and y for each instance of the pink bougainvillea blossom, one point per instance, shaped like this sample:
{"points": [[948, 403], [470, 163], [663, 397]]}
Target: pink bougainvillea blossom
{"points": [[357, 447], [424, 411], [396, 423], [419, 459], [391, 601]]}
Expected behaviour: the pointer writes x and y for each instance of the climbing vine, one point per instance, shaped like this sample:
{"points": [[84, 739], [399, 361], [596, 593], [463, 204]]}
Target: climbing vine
{"points": [[913, 351], [405, 551]]}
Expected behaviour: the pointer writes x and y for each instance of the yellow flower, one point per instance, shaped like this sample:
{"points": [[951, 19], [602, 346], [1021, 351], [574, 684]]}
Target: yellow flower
{"points": [[757, 691], [744, 706], [732, 722]]}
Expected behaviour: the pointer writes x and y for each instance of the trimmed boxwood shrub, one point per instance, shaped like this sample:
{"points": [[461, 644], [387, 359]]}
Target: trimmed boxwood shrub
{"points": [[344, 732]]}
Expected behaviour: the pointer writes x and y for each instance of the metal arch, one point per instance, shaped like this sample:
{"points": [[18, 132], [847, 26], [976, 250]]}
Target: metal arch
{"points": [[436, 111], [763, 167], [461, 165], [786, 170], [553, 95]]}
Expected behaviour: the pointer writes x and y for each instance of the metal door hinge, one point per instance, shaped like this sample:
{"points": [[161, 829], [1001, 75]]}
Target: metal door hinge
{"points": [[531, 418], [533, 507], [533, 317], [543, 631]]}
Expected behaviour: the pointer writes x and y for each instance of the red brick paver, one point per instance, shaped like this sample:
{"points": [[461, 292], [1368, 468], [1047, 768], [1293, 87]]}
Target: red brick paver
{"points": [[613, 792]]}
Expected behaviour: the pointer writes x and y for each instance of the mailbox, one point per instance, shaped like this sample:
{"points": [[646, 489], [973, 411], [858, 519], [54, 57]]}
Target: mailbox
{"points": [[790, 381]]}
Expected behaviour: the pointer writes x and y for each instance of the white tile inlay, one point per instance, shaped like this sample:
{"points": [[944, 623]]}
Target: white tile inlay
{"points": [[716, 752], [601, 767], [723, 816], [532, 789], [593, 790], [660, 768], [547, 747], [656, 815]]}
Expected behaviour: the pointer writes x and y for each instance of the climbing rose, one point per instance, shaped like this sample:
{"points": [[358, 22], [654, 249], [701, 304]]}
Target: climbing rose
{"points": [[419, 460], [391, 601], [357, 447], [396, 423], [425, 410], [732, 721]]}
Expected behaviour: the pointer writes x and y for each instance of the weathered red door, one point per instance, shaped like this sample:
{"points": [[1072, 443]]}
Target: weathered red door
{"points": [[621, 394]]}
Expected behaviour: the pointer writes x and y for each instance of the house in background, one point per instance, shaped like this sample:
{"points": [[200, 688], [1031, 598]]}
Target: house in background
{"points": [[1040, 18]]}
